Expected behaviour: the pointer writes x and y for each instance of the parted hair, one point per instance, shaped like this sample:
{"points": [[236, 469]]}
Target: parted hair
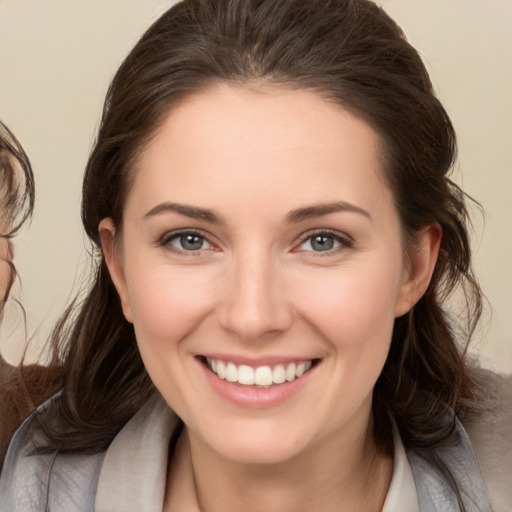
{"points": [[351, 53]]}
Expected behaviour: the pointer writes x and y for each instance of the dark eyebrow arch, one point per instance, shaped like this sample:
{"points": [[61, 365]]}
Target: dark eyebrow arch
{"points": [[318, 210], [188, 211]]}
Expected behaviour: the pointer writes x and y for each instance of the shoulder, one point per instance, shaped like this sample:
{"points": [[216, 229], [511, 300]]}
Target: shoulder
{"points": [[489, 428], [21, 389], [12, 405], [27, 478]]}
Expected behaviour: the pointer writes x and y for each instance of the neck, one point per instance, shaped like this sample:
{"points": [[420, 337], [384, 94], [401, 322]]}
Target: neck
{"points": [[341, 475]]}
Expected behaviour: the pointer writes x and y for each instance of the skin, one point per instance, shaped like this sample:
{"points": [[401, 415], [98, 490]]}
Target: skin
{"points": [[6, 277], [257, 288]]}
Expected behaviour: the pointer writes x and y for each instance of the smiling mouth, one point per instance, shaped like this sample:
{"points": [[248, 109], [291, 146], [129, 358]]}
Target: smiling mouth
{"points": [[260, 376]]}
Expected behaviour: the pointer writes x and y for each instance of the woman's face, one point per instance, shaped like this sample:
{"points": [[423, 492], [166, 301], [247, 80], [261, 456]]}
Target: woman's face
{"points": [[259, 242]]}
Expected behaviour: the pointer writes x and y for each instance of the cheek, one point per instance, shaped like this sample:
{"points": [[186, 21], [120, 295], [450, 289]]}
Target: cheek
{"points": [[167, 305], [352, 307], [355, 317]]}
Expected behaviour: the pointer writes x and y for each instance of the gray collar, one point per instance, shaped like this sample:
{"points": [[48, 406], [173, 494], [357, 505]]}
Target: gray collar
{"points": [[434, 491]]}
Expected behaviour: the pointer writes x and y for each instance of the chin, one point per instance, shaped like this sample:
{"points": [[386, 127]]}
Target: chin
{"points": [[250, 452], [258, 444]]}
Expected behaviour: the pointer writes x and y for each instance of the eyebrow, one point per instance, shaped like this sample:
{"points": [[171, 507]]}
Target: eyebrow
{"points": [[293, 217], [318, 210], [188, 211]]}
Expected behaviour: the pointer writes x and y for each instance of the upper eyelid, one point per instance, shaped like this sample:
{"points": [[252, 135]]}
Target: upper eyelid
{"points": [[336, 234], [175, 232], [171, 235], [183, 231], [346, 242]]}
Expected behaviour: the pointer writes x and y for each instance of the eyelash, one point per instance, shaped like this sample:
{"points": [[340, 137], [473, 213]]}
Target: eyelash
{"points": [[166, 240], [344, 242]]}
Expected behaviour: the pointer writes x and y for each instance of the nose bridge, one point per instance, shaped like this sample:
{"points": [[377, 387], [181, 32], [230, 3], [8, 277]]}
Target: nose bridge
{"points": [[255, 303]]}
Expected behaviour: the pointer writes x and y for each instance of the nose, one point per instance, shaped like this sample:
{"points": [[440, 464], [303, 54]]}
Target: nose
{"points": [[255, 304]]}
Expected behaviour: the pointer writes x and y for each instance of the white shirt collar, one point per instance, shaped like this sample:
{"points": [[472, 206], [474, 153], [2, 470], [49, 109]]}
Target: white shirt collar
{"points": [[402, 494]]}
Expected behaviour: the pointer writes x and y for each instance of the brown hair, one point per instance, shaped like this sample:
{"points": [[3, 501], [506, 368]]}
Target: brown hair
{"points": [[17, 190], [350, 52]]}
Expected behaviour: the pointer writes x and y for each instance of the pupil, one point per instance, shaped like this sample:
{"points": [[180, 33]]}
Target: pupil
{"points": [[191, 242], [322, 243]]}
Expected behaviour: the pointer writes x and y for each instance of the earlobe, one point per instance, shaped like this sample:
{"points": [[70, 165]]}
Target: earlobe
{"points": [[107, 232], [419, 271]]}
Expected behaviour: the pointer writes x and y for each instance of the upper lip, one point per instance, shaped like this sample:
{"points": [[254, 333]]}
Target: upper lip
{"points": [[258, 361]]}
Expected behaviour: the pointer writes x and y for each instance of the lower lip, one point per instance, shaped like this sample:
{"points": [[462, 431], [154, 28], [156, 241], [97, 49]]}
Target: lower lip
{"points": [[253, 397]]}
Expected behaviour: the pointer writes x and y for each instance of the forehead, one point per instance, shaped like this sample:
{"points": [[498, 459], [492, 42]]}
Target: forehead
{"points": [[289, 145]]}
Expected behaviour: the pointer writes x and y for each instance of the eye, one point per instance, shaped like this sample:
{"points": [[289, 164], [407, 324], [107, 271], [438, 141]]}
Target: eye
{"points": [[324, 241], [186, 241]]}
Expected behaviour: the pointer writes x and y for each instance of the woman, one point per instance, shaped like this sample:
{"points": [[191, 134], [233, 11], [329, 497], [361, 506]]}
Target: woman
{"points": [[16, 206], [16, 202], [269, 190]]}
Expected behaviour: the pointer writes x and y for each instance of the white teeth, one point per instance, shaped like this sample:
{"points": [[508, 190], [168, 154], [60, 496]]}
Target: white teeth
{"points": [[300, 369], [245, 375], [231, 373], [279, 374], [290, 372], [260, 376], [263, 376], [221, 370]]}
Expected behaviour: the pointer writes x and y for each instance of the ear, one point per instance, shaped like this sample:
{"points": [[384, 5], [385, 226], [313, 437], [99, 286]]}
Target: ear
{"points": [[419, 269], [114, 263]]}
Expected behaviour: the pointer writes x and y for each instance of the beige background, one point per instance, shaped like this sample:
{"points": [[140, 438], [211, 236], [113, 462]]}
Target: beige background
{"points": [[57, 57]]}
